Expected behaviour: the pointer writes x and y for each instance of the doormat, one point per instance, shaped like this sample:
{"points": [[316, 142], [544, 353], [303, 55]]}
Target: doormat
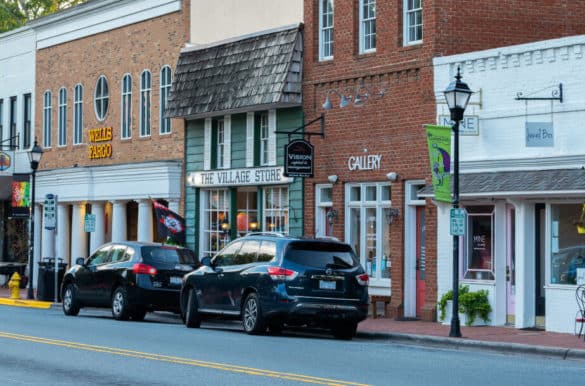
{"points": [[532, 329]]}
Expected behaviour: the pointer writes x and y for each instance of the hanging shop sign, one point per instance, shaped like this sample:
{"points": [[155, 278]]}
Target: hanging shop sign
{"points": [[298, 159], [469, 125], [539, 134], [6, 164], [364, 162], [270, 175], [97, 149], [20, 188]]}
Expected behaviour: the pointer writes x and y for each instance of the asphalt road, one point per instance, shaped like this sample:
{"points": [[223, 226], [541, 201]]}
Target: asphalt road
{"points": [[45, 347]]}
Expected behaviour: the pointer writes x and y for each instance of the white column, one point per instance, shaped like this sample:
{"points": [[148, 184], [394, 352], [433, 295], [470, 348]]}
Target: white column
{"points": [[174, 205], [63, 234], [98, 236], [119, 221], [37, 242], [78, 235], [145, 220]]}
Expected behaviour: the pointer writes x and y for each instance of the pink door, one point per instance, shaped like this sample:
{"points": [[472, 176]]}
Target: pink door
{"points": [[420, 259]]}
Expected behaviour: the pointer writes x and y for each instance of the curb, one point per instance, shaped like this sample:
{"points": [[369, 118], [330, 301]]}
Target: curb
{"points": [[466, 344], [26, 303]]}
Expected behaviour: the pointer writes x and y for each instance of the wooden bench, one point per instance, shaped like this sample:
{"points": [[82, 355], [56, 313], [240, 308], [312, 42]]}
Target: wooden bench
{"points": [[374, 299]]}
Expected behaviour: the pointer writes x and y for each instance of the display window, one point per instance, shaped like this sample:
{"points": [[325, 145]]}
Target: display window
{"points": [[276, 209], [215, 221], [325, 215], [479, 257], [247, 216], [567, 242]]}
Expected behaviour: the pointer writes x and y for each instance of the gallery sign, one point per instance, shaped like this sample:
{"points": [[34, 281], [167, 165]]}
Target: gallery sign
{"points": [[364, 162], [298, 159], [270, 175]]}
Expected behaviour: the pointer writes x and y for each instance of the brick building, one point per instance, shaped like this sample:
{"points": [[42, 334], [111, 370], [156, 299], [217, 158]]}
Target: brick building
{"points": [[368, 66], [103, 74]]}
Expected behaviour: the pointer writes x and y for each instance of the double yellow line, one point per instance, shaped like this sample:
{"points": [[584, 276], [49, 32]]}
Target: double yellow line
{"points": [[179, 360]]}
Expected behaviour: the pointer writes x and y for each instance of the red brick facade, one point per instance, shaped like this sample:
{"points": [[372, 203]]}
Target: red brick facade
{"points": [[393, 125]]}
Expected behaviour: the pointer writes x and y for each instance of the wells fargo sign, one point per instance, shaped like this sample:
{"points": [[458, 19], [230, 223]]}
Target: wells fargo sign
{"points": [[97, 149]]}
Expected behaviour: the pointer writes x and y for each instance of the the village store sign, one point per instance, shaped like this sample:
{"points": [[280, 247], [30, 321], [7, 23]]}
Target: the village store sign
{"points": [[239, 177], [97, 149]]}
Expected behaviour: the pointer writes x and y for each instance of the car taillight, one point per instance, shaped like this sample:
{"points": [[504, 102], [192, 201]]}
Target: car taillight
{"points": [[279, 273], [143, 268], [363, 279]]}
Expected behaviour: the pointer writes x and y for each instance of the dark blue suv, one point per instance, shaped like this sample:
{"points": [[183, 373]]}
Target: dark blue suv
{"points": [[271, 280]]}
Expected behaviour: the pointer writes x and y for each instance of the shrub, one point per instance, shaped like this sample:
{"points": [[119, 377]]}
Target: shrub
{"points": [[471, 303]]}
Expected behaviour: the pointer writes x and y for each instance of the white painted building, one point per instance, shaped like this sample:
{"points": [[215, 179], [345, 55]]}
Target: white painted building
{"points": [[522, 180]]}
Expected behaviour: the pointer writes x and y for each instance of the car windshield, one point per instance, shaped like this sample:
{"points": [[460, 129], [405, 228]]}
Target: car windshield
{"points": [[322, 255], [167, 255]]}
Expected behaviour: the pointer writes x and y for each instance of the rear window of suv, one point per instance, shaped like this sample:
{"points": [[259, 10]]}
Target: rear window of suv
{"points": [[321, 255], [166, 255]]}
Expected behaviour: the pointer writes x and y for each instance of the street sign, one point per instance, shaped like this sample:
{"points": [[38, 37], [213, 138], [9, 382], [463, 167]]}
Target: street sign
{"points": [[89, 223], [50, 212], [458, 220]]}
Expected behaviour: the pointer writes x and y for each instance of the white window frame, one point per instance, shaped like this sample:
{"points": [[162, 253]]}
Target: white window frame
{"points": [[78, 114], [410, 10], [210, 224], [220, 145], [165, 89], [467, 273], [47, 118], [101, 98], [326, 30], [277, 211], [365, 22], [264, 139], [27, 120], [62, 117], [145, 103], [1, 119], [321, 209], [126, 107], [13, 122]]}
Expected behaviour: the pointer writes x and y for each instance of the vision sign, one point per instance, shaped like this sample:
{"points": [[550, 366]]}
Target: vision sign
{"points": [[298, 160]]}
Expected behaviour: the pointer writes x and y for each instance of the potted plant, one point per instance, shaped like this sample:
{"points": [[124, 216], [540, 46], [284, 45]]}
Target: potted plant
{"points": [[472, 304]]}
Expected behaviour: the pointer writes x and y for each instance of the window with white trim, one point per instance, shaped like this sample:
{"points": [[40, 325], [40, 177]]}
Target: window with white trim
{"points": [[367, 26], [12, 139], [216, 211], [62, 117], [165, 89], [78, 114], [325, 29], [145, 90], [264, 138], [1, 119], [275, 209], [247, 216], [412, 22], [220, 145], [101, 98], [324, 206], [567, 249], [47, 114], [126, 107], [27, 131], [478, 259]]}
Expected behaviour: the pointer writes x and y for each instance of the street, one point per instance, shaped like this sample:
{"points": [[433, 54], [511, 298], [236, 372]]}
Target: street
{"points": [[46, 347]]}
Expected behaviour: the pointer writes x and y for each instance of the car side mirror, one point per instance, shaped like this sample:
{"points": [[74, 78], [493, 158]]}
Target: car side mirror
{"points": [[80, 261], [206, 261]]}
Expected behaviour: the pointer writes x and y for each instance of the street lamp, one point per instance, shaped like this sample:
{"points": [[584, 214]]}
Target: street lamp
{"points": [[34, 156], [457, 95]]}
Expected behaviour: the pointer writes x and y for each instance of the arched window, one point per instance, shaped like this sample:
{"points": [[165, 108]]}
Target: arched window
{"points": [[47, 115], [78, 114], [62, 116], [101, 98], [126, 106], [145, 89], [165, 89]]}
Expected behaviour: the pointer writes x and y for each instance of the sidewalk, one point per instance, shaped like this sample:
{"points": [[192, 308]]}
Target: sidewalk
{"points": [[497, 339]]}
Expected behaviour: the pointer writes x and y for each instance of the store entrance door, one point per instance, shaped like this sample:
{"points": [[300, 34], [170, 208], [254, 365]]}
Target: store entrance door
{"points": [[420, 260], [510, 265], [539, 222]]}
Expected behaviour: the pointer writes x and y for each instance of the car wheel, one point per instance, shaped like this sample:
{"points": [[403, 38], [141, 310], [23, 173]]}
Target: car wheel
{"points": [[120, 309], [138, 314], [70, 303], [345, 331], [192, 316], [252, 318]]}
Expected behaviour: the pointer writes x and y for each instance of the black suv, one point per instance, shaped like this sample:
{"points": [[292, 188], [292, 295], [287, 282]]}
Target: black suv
{"points": [[130, 277], [270, 280]]}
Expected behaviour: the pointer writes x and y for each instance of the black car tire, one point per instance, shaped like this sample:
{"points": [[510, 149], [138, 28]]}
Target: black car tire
{"points": [[345, 331], [192, 316], [120, 310], [138, 314], [70, 303], [252, 317]]}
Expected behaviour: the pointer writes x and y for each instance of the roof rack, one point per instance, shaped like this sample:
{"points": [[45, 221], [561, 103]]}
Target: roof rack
{"points": [[277, 234]]}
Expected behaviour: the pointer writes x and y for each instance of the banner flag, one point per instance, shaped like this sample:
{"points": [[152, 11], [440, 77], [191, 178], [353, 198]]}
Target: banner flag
{"points": [[439, 142], [20, 207], [169, 224]]}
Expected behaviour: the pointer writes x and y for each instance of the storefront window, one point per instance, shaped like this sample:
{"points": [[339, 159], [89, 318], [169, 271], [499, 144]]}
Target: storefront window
{"points": [[567, 242], [216, 214], [247, 216], [324, 206], [276, 210], [479, 258]]}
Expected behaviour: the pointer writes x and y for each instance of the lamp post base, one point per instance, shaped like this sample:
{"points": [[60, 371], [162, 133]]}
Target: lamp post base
{"points": [[455, 331]]}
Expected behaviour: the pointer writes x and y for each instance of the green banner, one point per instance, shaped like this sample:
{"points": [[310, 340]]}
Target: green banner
{"points": [[439, 141]]}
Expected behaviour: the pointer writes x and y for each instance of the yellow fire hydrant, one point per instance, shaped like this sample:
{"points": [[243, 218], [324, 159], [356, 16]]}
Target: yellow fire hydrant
{"points": [[14, 286]]}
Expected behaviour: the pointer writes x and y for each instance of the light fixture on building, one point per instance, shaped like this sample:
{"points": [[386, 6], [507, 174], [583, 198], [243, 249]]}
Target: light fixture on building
{"points": [[392, 176], [391, 214], [34, 156], [333, 178], [225, 226], [253, 224], [358, 94], [457, 96]]}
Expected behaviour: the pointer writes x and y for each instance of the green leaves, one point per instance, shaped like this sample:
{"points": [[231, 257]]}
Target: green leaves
{"points": [[16, 13], [471, 303]]}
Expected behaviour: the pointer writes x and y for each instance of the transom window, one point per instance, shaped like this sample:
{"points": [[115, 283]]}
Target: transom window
{"points": [[78, 114], [325, 29], [276, 209], [367, 25], [478, 259], [165, 89], [62, 116], [126, 106], [145, 90], [101, 98], [47, 114], [412, 21]]}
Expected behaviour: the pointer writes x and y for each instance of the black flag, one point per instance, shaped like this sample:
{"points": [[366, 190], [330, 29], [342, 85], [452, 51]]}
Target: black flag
{"points": [[169, 224]]}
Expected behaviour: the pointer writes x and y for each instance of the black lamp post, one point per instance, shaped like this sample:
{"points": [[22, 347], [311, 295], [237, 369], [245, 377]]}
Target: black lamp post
{"points": [[457, 95], [34, 155]]}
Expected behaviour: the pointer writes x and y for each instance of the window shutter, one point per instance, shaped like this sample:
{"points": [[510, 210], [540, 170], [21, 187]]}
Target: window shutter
{"points": [[207, 144], [272, 137], [227, 155], [249, 139]]}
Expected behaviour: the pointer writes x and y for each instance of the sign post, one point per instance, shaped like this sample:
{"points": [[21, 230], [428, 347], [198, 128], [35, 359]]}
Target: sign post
{"points": [[89, 223], [50, 212], [458, 217]]}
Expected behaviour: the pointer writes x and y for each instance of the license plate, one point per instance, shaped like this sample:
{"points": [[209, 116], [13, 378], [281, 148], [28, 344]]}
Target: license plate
{"points": [[175, 280], [328, 285]]}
